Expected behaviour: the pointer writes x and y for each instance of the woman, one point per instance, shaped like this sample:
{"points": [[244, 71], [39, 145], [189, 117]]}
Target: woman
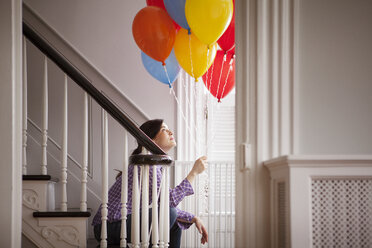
{"points": [[180, 220]]}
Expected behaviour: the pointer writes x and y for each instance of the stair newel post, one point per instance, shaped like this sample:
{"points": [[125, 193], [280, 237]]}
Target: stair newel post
{"points": [[84, 178], [145, 206], [24, 123], [135, 225], [45, 119], [166, 209], [124, 194], [64, 148], [155, 219], [104, 210]]}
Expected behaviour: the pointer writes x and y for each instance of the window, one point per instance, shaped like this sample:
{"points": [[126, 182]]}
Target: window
{"points": [[206, 127]]}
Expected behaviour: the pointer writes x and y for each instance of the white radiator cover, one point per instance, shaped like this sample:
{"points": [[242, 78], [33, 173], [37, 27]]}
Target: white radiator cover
{"points": [[321, 201]]}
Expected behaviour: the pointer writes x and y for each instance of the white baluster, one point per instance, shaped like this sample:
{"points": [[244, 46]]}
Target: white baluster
{"points": [[232, 206], [220, 212], [45, 119], [124, 194], [84, 176], [24, 124], [166, 209], [215, 205], [64, 149], [145, 207], [163, 206], [104, 179], [227, 185], [135, 232], [155, 220]]}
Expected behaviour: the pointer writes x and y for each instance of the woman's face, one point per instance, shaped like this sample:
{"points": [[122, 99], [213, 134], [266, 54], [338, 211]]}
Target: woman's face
{"points": [[164, 138]]}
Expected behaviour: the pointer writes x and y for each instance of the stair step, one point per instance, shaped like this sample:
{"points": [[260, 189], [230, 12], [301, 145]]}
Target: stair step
{"points": [[61, 214], [39, 178]]}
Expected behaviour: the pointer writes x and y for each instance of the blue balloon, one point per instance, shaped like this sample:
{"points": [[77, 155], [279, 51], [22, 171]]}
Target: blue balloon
{"points": [[156, 69], [176, 9]]}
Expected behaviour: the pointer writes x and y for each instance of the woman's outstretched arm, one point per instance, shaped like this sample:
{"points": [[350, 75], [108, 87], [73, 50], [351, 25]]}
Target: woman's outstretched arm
{"points": [[177, 194]]}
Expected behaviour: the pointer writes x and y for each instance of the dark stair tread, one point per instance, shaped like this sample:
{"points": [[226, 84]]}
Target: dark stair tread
{"points": [[61, 214], [39, 178], [93, 243]]}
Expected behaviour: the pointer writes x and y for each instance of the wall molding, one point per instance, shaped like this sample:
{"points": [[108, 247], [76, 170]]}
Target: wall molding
{"points": [[266, 102], [30, 199], [320, 161], [68, 234], [275, 84]]}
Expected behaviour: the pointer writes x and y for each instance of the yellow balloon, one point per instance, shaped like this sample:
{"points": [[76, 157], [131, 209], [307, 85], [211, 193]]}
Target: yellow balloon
{"points": [[192, 54], [208, 19]]}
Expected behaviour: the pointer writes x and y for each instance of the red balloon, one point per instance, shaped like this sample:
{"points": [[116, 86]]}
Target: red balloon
{"points": [[160, 4], [154, 32], [227, 40], [220, 77]]}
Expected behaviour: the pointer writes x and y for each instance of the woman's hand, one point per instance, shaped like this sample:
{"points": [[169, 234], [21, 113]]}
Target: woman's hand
{"points": [[202, 230], [199, 166]]}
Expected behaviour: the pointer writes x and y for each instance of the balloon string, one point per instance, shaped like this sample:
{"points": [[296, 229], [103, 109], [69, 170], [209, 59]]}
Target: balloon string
{"points": [[192, 67], [206, 77], [183, 116], [210, 113], [198, 133], [166, 72], [196, 88], [206, 182], [219, 80], [208, 116], [228, 73], [210, 80], [214, 132], [189, 104], [187, 98]]}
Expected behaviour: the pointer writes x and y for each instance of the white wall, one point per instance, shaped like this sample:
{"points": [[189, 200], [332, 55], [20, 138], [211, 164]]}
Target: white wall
{"points": [[102, 32], [335, 77]]}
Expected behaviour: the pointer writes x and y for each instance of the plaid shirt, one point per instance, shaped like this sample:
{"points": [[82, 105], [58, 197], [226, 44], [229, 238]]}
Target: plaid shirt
{"points": [[176, 195]]}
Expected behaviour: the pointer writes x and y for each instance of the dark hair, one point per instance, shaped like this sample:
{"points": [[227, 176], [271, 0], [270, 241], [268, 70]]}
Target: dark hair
{"points": [[151, 128]]}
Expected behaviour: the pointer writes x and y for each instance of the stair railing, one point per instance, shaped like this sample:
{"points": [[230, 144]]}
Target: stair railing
{"points": [[142, 162]]}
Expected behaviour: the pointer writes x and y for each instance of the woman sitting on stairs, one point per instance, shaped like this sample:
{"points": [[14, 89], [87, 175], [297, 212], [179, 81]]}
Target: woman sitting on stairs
{"points": [[180, 220]]}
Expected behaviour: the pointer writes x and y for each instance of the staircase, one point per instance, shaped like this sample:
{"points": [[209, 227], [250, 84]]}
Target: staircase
{"points": [[44, 224]]}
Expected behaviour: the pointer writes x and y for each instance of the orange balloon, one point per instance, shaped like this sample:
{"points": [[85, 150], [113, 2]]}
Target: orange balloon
{"points": [[154, 32]]}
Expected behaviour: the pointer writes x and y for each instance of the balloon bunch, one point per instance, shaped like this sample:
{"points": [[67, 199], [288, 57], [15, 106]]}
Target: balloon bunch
{"points": [[187, 33]]}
